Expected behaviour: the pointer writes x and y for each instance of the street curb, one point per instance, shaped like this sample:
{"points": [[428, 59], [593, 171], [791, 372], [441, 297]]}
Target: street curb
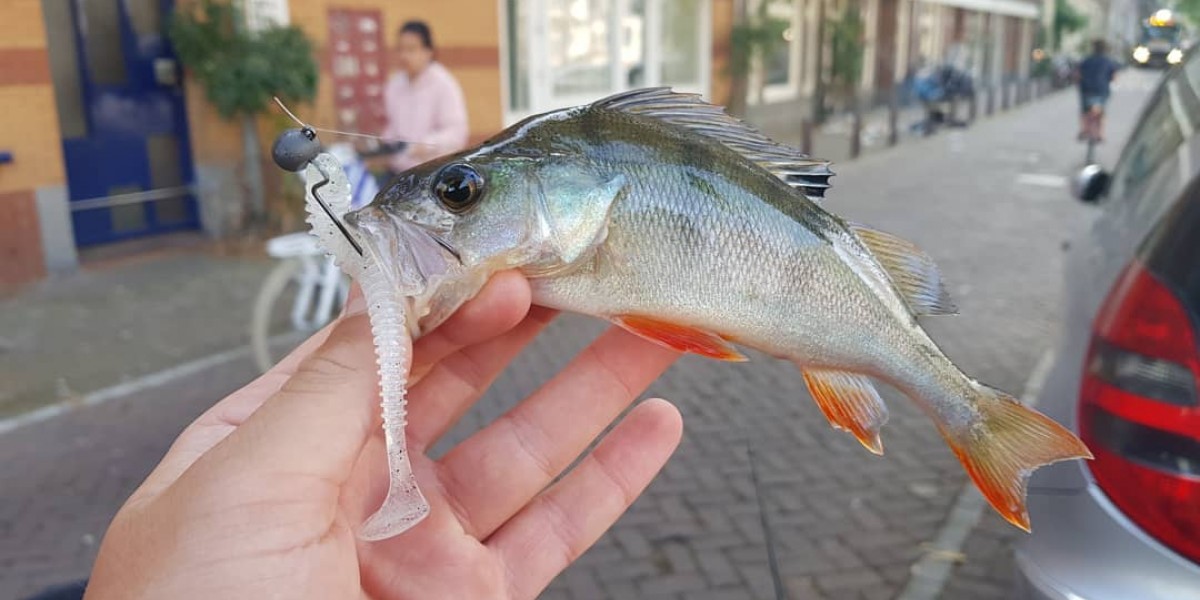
{"points": [[124, 388]]}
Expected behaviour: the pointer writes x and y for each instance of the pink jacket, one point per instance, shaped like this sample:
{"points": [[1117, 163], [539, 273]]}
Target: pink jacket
{"points": [[428, 110]]}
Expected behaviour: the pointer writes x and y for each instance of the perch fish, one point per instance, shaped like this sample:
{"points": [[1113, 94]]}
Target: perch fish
{"points": [[664, 215]]}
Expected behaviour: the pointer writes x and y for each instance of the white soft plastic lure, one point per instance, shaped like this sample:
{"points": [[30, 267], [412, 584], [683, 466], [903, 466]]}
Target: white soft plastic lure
{"points": [[387, 300]]}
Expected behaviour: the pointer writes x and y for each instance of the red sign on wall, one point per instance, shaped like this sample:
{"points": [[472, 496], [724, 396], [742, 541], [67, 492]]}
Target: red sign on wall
{"points": [[358, 67]]}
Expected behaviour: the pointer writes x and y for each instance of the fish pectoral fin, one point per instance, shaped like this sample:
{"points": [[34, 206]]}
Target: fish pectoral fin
{"points": [[574, 221], [1006, 445], [850, 402], [912, 271], [680, 337]]}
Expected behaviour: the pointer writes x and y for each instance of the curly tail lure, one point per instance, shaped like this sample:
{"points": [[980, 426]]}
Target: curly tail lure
{"points": [[328, 197]]}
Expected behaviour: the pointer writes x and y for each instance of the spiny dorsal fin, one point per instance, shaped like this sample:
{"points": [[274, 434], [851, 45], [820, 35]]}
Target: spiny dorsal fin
{"points": [[912, 271], [807, 174]]}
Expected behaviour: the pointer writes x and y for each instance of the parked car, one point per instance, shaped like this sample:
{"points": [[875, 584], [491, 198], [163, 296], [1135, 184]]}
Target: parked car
{"points": [[1127, 376]]}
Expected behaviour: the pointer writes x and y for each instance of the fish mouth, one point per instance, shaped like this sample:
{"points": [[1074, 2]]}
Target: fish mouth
{"points": [[414, 259]]}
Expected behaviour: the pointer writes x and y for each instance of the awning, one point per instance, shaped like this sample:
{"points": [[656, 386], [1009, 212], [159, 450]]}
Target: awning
{"points": [[1011, 8]]}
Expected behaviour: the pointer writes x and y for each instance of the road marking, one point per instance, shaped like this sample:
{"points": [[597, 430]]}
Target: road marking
{"points": [[930, 573], [1042, 179], [133, 386]]}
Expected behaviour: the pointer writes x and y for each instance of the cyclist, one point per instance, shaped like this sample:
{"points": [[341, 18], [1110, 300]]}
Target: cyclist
{"points": [[1095, 76]]}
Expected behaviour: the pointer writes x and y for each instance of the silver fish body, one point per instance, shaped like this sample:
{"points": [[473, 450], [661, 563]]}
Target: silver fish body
{"points": [[662, 214]]}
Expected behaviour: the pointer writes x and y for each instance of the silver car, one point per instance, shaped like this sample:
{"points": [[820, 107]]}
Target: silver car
{"points": [[1127, 376]]}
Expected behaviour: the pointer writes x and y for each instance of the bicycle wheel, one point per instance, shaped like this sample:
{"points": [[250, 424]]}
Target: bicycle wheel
{"points": [[271, 310]]}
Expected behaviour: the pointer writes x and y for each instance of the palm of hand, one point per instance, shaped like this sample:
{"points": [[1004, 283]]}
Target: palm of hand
{"points": [[261, 495]]}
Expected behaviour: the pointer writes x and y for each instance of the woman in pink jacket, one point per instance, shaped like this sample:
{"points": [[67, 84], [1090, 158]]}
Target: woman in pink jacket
{"points": [[424, 103]]}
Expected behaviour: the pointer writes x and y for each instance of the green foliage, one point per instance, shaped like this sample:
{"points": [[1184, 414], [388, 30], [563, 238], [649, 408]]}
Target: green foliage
{"points": [[1066, 20], [846, 49], [758, 36], [240, 71], [1189, 9]]}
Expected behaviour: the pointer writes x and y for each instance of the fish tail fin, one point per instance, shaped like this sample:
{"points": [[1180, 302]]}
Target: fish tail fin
{"points": [[1006, 445]]}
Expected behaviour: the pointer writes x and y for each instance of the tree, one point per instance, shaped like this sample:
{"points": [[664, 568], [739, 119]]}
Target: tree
{"points": [[1190, 9], [846, 52], [1066, 20], [753, 37], [241, 71]]}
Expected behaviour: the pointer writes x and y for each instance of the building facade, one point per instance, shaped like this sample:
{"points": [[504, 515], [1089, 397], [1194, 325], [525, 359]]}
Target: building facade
{"points": [[109, 142], [991, 39]]}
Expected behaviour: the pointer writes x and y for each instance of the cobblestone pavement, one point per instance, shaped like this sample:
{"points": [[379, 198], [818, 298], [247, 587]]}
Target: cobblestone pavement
{"points": [[122, 319], [845, 524]]}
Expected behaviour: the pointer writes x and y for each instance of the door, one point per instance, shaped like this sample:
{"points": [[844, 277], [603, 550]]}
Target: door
{"points": [[128, 160]]}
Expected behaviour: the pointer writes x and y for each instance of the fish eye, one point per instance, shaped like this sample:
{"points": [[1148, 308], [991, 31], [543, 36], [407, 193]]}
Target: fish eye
{"points": [[458, 187]]}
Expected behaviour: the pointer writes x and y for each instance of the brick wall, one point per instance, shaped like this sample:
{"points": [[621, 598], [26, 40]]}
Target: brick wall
{"points": [[466, 34], [29, 130]]}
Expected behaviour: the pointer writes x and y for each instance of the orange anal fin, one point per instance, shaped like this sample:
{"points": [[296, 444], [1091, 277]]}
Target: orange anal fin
{"points": [[681, 337], [851, 403], [1006, 445]]}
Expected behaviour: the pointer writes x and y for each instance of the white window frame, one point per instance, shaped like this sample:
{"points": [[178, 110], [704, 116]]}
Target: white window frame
{"points": [[263, 14], [541, 98]]}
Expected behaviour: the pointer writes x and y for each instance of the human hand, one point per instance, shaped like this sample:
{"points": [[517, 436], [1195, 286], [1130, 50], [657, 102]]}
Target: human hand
{"points": [[261, 496]]}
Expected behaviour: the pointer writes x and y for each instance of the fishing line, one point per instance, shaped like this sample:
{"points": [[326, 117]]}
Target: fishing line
{"points": [[310, 131], [368, 136], [768, 533]]}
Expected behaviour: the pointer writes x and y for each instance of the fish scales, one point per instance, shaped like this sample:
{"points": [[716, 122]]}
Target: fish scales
{"points": [[664, 215]]}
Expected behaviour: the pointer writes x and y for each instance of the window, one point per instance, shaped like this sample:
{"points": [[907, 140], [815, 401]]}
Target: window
{"points": [[1152, 146], [779, 72], [683, 44], [566, 52]]}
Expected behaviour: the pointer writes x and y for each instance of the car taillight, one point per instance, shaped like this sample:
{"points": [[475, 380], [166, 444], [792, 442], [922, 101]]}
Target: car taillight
{"points": [[1139, 411]]}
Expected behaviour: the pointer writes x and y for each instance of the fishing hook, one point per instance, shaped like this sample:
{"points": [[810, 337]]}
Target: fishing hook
{"points": [[336, 221]]}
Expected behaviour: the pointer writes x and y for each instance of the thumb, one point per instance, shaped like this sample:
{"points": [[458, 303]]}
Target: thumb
{"points": [[318, 422]]}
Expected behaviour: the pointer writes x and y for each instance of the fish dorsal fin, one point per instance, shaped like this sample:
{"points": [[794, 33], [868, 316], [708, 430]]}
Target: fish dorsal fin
{"points": [[808, 175], [912, 271]]}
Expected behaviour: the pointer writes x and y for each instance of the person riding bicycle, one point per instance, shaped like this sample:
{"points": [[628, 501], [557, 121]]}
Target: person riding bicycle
{"points": [[1095, 76]]}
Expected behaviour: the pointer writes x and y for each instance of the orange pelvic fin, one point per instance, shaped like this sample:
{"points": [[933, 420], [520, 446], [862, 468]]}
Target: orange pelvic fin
{"points": [[851, 403], [1004, 448], [681, 337]]}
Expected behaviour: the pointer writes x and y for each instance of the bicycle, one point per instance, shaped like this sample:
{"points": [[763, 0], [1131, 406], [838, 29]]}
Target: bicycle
{"points": [[1092, 120], [305, 276]]}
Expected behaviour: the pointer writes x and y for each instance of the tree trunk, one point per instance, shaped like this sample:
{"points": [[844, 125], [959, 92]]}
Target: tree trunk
{"points": [[818, 96], [252, 168], [739, 78]]}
